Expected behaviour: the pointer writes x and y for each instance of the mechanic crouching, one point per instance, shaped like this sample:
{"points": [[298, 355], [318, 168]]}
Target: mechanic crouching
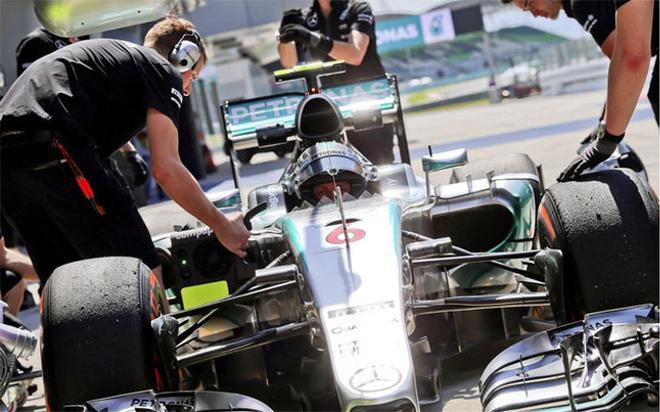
{"points": [[73, 108], [339, 30]]}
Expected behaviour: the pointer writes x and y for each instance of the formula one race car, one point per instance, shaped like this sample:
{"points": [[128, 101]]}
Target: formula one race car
{"points": [[361, 279]]}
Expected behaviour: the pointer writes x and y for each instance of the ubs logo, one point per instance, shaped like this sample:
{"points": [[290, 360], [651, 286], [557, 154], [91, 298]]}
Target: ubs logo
{"points": [[375, 378]]}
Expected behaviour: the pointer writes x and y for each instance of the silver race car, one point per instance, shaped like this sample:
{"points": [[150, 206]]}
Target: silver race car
{"points": [[360, 279]]}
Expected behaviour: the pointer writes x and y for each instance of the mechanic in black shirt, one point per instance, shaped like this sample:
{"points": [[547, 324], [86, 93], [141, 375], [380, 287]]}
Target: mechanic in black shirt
{"points": [[37, 44], [73, 108], [627, 33], [41, 42], [339, 30]]}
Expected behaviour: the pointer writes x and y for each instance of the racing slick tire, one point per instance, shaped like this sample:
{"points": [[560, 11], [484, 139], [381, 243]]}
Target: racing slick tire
{"points": [[499, 165], [97, 339], [245, 156], [606, 225]]}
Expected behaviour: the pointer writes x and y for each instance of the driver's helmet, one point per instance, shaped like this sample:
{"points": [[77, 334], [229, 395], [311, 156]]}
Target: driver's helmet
{"points": [[330, 161]]}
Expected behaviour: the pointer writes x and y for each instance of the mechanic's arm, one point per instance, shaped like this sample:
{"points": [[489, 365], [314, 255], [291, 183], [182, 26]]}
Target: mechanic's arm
{"points": [[352, 51], [607, 47], [630, 63], [288, 54], [16, 262], [182, 187]]}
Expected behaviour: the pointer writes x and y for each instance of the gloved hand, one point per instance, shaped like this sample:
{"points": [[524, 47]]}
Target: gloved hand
{"points": [[299, 34], [593, 135], [293, 16], [139, 166], [598, 150]]}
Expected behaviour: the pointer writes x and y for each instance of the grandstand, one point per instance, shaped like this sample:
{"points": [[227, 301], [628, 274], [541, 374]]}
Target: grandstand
{"points": [[464, 58]]}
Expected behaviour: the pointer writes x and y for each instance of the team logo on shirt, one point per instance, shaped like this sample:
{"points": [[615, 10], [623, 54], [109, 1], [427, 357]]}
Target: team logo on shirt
{"points": [[367, 18], [176, 97], [312, 20], [590, 23], [60, 43]]}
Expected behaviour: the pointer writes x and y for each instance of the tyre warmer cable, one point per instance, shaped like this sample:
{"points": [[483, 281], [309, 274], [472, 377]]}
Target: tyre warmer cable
{"points": [[81, 180]]}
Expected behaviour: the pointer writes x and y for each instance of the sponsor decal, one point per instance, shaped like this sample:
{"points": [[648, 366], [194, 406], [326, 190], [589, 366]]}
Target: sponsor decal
{"points": [[360, 92], [144, 403], [261, 110], [398, 36], [375, 378], [592, 327], [245, 117], [413, 31], [60, 43], [341, 329], [354, 310], [176, 97], [177, 400], [338, 236], [273, 199], [437, 26], [349, 349]]}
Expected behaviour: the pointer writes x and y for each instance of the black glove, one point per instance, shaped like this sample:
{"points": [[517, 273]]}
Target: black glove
{"points": [[293, 16], [597, 151], [299, 34], [593, 135], [139, 166]]}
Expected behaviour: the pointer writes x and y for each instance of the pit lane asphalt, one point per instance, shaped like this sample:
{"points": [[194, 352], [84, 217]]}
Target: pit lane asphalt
{"points": [[548, 129]]}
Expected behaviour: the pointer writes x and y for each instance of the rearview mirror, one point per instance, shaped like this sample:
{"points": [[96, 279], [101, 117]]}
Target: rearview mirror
{"points": [[444, 160]]}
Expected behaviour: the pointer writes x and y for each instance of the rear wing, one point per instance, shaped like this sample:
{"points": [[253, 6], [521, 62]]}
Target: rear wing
{"points": [[245, 120]]}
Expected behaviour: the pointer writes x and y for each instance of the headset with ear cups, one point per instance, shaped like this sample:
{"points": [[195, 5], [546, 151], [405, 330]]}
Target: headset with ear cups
{"points": [[185, 54]]}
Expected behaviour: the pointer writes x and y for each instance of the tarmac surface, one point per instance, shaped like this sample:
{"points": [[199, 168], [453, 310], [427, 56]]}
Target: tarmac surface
{"points": [[548, 129]]}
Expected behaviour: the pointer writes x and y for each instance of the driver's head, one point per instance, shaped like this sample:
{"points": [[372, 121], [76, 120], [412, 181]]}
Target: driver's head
{"points": [[327, 189], [327, 165], [164, 37]]}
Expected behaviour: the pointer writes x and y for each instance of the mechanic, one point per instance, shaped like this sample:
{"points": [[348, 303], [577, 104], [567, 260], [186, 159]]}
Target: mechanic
{"points": [[627, 33], [37, 44], [73, 108], [15, 269], [41, 42], [339, 30]]}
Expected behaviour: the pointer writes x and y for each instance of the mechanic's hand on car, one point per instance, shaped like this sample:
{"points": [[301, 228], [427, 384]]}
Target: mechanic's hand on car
{"points": [[293, 16], [598, 151], [299, 34], [593, 135], [234, 235], [139, 167]]}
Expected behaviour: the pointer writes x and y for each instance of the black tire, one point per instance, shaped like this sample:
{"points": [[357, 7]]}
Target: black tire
{"points": [[606, 225], [245, 156], [502, 164], [280, 153], [97, 339]]}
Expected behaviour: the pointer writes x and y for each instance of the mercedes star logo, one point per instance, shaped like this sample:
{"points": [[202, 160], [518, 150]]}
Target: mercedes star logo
{"points": [[375, 378]]}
